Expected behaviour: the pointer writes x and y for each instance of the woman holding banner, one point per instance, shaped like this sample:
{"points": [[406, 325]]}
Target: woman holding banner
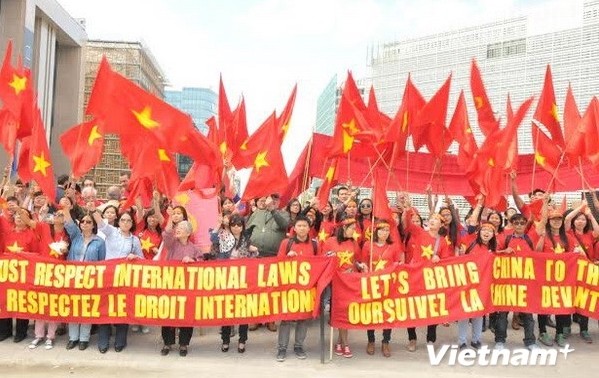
{"points": [[233, 242], [179, 249], [485, 243], [426, 245], [20, 237], [381, 253], [552, 238], [582, 225], [345, 248], [85, 246], [121, 243]]}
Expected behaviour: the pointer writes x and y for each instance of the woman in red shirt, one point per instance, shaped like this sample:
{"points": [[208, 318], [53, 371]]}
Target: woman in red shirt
{"points": [[427, 245], [380, 253], [582, 225], [344, 248], [552, 238]]}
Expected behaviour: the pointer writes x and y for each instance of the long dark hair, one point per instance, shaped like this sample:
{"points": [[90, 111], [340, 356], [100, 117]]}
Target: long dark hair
{"points": [[340, 232], [130, 213], [94, 224], [562, 234], [492, 243], [587, 227], [183, 211], [243, 238], [500, 227], [380, 225], [450, 229], [150, 213], [116, 211]]}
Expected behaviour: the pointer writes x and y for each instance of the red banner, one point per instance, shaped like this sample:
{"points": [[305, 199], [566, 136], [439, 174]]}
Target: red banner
{"points": [[224, 292], [465, 287]]}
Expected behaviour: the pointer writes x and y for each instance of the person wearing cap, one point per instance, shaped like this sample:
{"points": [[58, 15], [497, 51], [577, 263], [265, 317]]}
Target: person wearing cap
{"points": [[485, 243], [380, 253], [516, 242], [344, 248], [582, 225], [270, 227], [552, 238]]}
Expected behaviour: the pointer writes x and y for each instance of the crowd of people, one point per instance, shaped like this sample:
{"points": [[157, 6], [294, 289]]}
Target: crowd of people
{"points": [[78, 226]]}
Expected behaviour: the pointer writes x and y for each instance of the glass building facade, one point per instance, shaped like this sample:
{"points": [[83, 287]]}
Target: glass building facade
{"points": [[200, 104]]}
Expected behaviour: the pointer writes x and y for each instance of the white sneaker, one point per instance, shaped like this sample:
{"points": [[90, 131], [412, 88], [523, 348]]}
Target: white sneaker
{"points": [[532, 346], [145, 330], [49, 344], [134, 328], [35, 343], [499, 346]]}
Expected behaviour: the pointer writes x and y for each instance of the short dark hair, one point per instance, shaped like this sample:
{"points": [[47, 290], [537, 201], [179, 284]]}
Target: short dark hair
{"points": [[130, 213], [301, 218], [535, 191], [342, 187], [94, 224], [62, 179]]}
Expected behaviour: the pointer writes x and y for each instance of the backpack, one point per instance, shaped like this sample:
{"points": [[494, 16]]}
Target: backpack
{"points": [[290, 242]]}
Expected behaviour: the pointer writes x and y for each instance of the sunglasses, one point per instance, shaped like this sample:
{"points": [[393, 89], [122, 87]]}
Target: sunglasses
{"points": [[365, 206], [237, 225], [86, 221]]}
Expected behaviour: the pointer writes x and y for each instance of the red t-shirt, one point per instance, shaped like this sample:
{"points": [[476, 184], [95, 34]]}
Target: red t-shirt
{"points": [[553, 244], [586, 240], [149, 240], [382, 256], [302, 248], [517, 242], [345, 252], [21, 241]]}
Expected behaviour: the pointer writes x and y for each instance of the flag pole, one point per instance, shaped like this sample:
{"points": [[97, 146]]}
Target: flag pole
{"points": [[534, 160]]}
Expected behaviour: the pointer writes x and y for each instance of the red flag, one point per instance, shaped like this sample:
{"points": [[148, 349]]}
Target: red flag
{"points": [[225, 118], [158, 165], [142, 188], [14, 84], [83, 145], [377, 118], [284, 120], [256, 142], [512, 152], [403, 122], [269, 175], [460, 129], [381, 208], [8, 131], [297, 184], [35, 162], [430, 125], [240, 130], [200, 176], [546, 113], [547, 153], [329, 181], [486, 118], [589, 124], [573, 133], [351, 124], [138, 117]]}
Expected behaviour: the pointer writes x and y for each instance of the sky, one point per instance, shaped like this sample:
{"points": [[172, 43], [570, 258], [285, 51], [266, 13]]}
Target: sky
{"points": [[263, 48]]}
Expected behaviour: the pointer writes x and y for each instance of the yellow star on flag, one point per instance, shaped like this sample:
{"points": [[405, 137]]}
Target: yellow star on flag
{"points": [[162, 155], [491, 162], [404, 122], [330, 174], [93, 135], [558, 249], [182, 199], [40, 164], [145, 118], [518, 248], [468, 130], [554, 112], [540, 159], [18, 83], [146, 244], [322, 235], [244, 145], [351, 127], [356, 235], [427, 252], [478, 102], [223, 148], [15, 247], [261, 161], [348, 142], [345, 257], [284, 129], [380, 265]]}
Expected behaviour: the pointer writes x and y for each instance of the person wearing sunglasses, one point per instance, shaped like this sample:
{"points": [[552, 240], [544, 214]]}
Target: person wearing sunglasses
{"points": [[232, 241], [121, 242], [85, 246], [364, 219]]}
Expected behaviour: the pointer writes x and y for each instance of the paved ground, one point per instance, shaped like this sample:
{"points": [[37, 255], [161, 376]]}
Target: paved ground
{"points": [[142, 359]]}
